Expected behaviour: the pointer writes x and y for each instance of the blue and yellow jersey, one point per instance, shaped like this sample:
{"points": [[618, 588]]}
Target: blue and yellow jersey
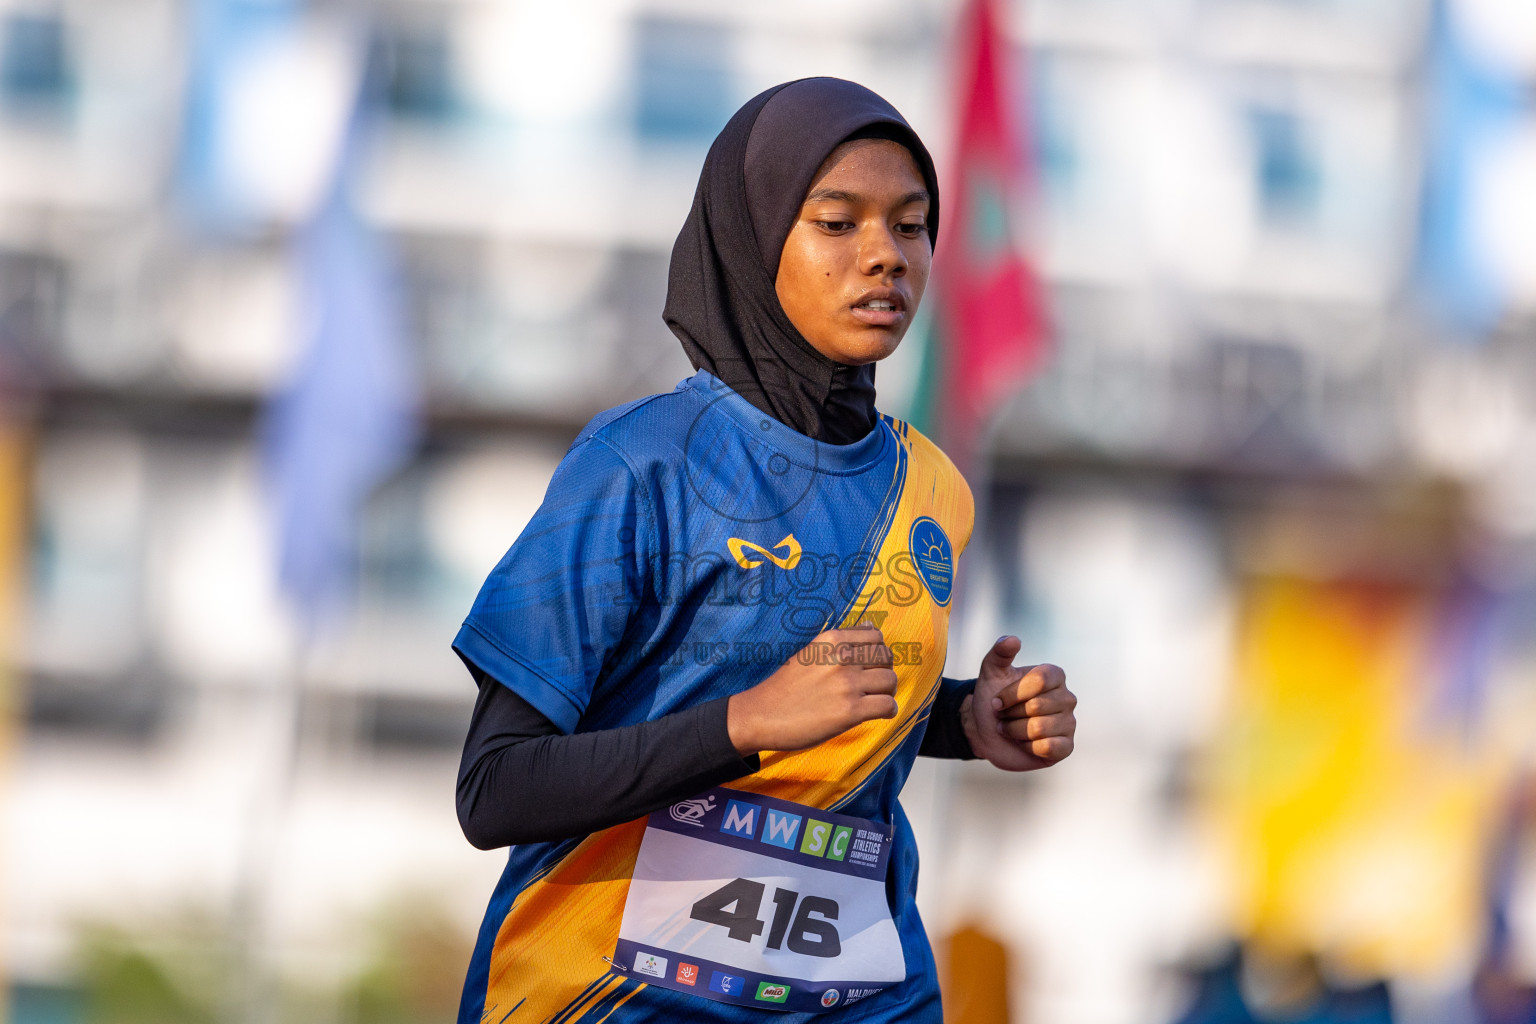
{"points": [[687, 547]]}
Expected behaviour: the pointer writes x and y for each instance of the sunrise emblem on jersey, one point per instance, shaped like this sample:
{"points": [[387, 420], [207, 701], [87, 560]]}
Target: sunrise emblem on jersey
{"points": [[739, 549], [934, 558]]}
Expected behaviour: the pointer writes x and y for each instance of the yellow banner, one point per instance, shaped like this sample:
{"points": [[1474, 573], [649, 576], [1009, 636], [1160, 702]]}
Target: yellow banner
{"points": [[1356, 825]]}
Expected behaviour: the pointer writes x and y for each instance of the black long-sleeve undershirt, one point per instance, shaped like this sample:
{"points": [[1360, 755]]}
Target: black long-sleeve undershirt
{"points": [[944, 736], [523, 781]]}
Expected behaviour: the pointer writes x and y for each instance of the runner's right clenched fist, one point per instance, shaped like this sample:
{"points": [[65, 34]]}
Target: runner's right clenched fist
{"points": [[842, 678]]}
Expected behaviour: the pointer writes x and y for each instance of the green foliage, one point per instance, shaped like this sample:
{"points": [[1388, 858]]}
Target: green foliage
{"points": [[416, 972], [173, 980], [184, 970]]}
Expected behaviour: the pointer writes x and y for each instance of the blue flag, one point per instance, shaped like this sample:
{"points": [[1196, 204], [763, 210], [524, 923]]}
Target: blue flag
{"points": [[348, 417]]}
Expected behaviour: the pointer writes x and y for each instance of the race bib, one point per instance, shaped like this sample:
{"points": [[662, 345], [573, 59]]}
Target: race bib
{"points": [[761, 902]]}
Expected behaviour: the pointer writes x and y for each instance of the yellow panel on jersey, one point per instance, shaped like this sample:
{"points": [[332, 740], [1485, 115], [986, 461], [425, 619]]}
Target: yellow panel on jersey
{"points": [[548, 960], [913, 623], [557, 923]]}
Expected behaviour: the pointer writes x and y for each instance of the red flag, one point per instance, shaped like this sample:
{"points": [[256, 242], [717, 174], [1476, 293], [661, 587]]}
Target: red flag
{"points": [[989, 327]]}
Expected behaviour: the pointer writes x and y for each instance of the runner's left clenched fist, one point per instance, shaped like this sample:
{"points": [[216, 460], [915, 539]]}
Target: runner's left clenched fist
{"points": [[1019, 718]]}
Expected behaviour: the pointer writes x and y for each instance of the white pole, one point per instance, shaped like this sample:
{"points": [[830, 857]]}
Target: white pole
{"points": [[255, 992]]}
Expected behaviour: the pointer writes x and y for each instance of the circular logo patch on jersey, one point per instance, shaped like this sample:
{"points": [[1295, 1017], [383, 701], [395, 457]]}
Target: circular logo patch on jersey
{"points": [[934, 557]]}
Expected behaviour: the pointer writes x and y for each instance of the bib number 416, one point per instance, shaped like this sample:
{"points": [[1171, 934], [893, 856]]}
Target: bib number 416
{"points": [[735, 906]]}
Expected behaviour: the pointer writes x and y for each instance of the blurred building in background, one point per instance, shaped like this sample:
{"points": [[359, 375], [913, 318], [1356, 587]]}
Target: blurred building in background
{"points": [[1270, 497]]}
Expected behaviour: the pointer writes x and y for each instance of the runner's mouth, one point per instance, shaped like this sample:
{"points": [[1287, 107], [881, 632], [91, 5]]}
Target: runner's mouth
{"points": [[881, 308]]}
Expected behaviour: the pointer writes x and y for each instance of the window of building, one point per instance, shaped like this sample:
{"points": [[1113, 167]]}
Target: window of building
{"points": [[414, 67], [683, 83], [36, 72], [1289, 178]]}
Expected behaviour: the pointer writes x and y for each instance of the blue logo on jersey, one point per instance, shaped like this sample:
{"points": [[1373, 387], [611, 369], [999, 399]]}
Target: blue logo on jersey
{"points": [[934, 557], [740, 819], [726, 984], [782, 829]]}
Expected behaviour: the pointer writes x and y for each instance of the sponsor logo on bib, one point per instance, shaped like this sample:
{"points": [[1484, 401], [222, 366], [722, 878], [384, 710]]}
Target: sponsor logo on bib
{"points": [[830, 997], [816, 835], [740, 819], [781, 828], [838, 848], [651, 965], [691, 812], [726, 984], [770, 992], [688, 974]]}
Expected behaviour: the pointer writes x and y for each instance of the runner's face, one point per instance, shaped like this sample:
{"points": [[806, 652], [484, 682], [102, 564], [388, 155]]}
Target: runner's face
{"points": [[856, 261]]}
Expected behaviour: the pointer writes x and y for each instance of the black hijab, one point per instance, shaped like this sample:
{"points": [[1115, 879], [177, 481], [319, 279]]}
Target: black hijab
{"points": [[721, 301]]}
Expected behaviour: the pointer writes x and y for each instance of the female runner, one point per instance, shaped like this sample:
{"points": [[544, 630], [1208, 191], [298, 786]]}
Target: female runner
{"points": [[707, 663]]}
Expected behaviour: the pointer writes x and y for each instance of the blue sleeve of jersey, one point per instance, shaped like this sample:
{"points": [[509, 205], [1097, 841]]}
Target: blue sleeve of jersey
{"points": [[557, 605]]}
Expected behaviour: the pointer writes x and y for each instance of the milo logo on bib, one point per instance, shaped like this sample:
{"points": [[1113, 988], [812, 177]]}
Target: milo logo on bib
{"points": [[769, 992]]}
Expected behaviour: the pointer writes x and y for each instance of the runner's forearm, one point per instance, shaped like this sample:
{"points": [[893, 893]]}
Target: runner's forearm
{"points": [[946, 734], [522, 781]]}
